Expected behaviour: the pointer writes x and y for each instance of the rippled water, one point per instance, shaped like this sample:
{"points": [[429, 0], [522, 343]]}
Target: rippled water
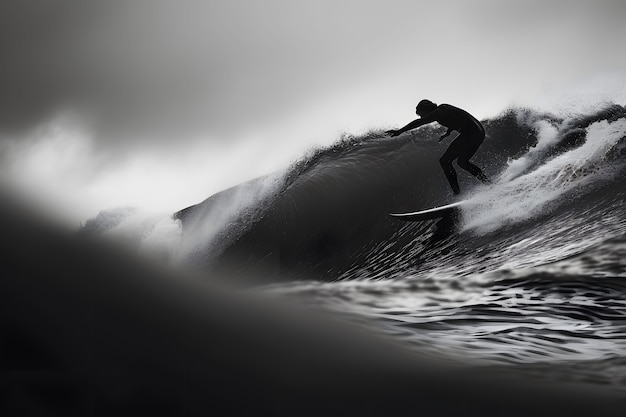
{"points": [[530, 273], [549, 300]]}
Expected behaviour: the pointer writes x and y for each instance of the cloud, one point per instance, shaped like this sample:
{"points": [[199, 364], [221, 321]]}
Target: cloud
{"points": [[150, 72], [96, 58]]}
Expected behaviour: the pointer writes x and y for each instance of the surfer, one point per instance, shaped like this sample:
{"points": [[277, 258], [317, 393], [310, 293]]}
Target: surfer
{"points": [[462, 148]]}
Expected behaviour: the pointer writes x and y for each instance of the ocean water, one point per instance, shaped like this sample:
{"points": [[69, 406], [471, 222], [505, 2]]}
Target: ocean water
{"points": [[526, 280], [529, 274]]}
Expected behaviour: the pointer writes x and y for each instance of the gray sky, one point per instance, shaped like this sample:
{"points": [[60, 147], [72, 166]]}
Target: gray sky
{"points": [[130, 93]]}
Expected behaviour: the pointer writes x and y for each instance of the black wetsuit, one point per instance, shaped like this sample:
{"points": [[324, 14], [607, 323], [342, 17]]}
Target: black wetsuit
{"points": [[464, 146]]}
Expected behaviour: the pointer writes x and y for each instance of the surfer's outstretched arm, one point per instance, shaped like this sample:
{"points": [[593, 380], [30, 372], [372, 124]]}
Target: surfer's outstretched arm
{"points": [[414, 124], [429, 118]]}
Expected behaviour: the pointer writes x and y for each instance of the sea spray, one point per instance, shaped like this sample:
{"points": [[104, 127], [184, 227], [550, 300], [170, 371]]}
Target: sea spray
{"points": [[163, 241], [222, 218], [547, 134], [517, 198], [156, 235]]}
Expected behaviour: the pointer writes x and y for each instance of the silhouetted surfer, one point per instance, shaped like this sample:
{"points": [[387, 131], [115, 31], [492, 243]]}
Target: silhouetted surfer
{"points": [[462, 148]]}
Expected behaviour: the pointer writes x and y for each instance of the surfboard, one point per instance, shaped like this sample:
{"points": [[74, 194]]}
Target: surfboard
{"points": [[429, 214]]}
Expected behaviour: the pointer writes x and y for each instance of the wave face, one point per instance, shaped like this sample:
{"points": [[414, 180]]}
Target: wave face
{"points": [[530, 272]]}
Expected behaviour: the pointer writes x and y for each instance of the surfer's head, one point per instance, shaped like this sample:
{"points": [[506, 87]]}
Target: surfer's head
{"points": [[424, 107]]}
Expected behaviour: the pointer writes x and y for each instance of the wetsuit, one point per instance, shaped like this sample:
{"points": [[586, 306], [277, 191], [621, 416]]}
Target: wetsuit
{"points": [[464, 146]]}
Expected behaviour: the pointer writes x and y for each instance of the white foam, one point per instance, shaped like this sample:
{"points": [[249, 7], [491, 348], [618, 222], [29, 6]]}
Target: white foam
{"points": [[547, 133], [517, 198]]}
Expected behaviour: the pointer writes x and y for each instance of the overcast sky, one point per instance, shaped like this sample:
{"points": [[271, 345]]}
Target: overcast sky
{"points": [[161, 103]]}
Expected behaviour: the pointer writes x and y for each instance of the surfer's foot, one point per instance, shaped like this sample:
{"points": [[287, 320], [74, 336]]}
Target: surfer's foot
{"points": [[483, 178]]}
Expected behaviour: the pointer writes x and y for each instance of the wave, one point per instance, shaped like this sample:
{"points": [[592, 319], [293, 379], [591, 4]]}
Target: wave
{"points": [[327, 216], [527, 278], [89, 329]]}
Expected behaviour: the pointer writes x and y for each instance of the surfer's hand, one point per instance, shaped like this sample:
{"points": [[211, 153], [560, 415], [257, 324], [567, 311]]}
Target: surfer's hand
{"points": [[393, 132]]}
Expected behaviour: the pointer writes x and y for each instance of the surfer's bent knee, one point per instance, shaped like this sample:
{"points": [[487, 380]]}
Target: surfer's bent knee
{"points": [[464, 163], [445, 161]]}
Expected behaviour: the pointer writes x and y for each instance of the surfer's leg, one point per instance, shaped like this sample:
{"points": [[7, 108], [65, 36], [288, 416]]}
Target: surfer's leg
{"points": [[448, 169], [474, 170], [471, 143], [446, 163]]}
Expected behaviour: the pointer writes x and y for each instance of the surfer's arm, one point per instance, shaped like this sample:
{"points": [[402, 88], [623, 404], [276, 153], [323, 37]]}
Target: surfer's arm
{"points": [[429, 118], [413, 125]]}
